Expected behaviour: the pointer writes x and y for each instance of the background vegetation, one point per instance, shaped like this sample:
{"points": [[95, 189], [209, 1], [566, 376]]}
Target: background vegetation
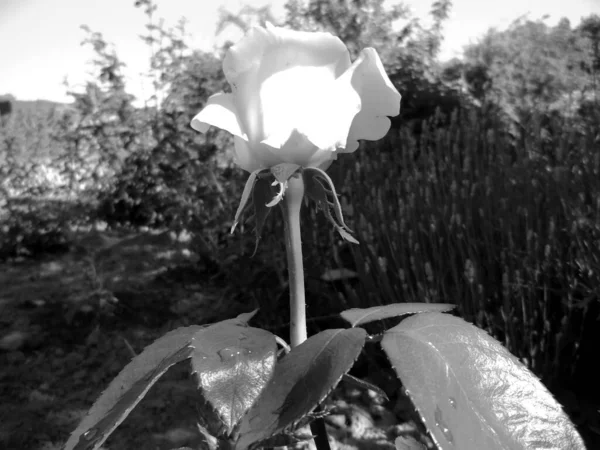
{"points": [[485, 193]]}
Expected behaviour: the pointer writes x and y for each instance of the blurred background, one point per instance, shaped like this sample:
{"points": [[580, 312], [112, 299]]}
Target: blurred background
{"points": [[115, 215]]}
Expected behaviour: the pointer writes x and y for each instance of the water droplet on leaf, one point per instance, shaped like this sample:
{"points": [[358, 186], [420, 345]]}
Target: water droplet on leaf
{"points": [[230, 353], [452, 401], [90, 434]]}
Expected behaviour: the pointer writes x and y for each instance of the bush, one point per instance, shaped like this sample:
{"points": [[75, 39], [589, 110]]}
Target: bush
{"points": [[512, 241]]}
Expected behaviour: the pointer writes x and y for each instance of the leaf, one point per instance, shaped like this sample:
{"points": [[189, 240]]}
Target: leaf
{"points": [[233, 364], [129, 387], [470, 391], [360, 316], [242, 319], [302, 379]]}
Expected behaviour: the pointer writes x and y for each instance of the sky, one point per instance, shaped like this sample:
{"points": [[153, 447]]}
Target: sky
{"points": [[40, 40]]}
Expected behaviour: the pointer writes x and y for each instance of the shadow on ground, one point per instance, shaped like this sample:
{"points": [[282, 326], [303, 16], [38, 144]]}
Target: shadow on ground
{"points": [[71, 322]]}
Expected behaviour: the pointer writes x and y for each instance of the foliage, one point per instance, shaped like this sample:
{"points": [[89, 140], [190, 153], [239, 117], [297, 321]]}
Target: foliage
{"points": [[359, 24], [33, 184], [470, 391], [532, 68], [104, 150], [246, 17], [173, 181], [494, 209], [254, 399], [472, 219]]}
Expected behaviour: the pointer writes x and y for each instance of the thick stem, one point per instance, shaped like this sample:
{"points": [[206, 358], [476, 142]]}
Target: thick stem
{"points": [[293, 246]]}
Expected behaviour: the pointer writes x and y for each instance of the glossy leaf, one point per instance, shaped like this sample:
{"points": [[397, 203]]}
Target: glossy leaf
{"points": [[129, 387], [233, 364], [242, 319], [360, 316], [470, 391], [302, 379]]}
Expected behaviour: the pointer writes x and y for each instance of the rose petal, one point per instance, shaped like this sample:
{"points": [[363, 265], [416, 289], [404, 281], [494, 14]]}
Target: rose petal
{"points": [[326, 123], [291, 98], [259, 156], [276, 51], [379, 99], [311, 113], [297, 149], [220, 112]]}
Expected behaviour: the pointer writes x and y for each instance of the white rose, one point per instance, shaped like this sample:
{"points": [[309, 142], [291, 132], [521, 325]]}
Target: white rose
{"points": [[298, 100]]}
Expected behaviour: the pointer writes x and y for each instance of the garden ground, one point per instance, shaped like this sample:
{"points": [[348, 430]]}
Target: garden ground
{"points": [[71, 322]]}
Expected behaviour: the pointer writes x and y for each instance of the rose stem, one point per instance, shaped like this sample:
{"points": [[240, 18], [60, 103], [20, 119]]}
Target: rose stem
{"points": [[293, 245]]}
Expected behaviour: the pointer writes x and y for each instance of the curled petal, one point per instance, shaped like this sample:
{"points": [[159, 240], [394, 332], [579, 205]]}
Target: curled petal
{"points": [[220, 112], [379, 99]]}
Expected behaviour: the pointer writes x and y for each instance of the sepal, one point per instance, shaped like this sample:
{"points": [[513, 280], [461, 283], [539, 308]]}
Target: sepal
{"points": [[245, 197], [319, 188]]}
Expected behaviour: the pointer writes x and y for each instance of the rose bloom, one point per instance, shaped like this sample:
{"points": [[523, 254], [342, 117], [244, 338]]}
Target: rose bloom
{"points": [[297, 99]]}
